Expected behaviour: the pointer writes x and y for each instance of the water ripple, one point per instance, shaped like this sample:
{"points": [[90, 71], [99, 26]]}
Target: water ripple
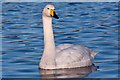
{"points": [[94, 25]]}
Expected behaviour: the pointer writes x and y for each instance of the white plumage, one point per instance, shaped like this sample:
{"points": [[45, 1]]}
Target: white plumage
{"points": [[64, 55]]}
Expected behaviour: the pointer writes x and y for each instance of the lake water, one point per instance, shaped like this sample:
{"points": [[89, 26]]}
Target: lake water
{"points": [[94, 25]]}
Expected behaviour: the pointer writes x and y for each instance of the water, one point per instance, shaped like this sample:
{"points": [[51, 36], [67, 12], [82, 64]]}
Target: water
{"points": [[94, 25]]}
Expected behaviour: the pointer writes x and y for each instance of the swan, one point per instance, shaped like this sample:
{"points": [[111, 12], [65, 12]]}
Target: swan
{"points": [[63, 55]]}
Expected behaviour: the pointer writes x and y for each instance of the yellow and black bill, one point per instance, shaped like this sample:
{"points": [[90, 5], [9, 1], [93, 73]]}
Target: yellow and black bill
{"points": [[53, 14]]}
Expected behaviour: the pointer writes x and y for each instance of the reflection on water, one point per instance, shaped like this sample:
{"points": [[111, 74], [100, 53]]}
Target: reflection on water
{"points": [[68, 73]]}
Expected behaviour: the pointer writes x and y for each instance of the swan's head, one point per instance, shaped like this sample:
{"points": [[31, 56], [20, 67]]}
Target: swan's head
{"points": [[49, 11]]}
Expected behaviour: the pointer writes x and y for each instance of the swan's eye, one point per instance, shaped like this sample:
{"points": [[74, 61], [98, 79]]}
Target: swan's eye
{"points": [[47, 8]]}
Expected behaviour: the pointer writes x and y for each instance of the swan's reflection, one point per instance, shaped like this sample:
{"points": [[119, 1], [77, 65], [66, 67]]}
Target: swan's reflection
{"points": [[68, 73]]}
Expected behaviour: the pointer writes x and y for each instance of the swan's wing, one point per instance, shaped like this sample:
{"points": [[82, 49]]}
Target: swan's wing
{"points": [[70, 54], [74, 55], [62, 47]]}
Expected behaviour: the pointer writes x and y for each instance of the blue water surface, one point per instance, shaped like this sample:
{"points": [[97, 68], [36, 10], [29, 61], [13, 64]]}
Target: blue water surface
{"points": [[94, 25]]}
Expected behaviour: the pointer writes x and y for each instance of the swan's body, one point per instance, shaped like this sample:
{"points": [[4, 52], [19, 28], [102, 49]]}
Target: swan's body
{"points": [[64, 55]]}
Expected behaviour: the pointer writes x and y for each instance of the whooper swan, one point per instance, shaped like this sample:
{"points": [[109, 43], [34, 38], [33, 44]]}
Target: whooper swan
{"points": [[64, 55]]}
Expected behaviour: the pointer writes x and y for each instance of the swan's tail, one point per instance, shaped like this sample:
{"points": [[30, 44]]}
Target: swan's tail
{"points": [[92, 53]]}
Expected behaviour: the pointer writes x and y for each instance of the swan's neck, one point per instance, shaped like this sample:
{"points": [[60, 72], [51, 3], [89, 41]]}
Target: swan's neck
{"points": [[49, 45]]}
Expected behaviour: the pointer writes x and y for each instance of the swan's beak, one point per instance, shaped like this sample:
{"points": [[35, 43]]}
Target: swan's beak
{"points": [[53, 14]]}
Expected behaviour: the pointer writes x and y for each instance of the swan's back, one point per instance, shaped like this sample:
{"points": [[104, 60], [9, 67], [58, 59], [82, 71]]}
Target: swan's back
{"points": [[70, 56]]}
